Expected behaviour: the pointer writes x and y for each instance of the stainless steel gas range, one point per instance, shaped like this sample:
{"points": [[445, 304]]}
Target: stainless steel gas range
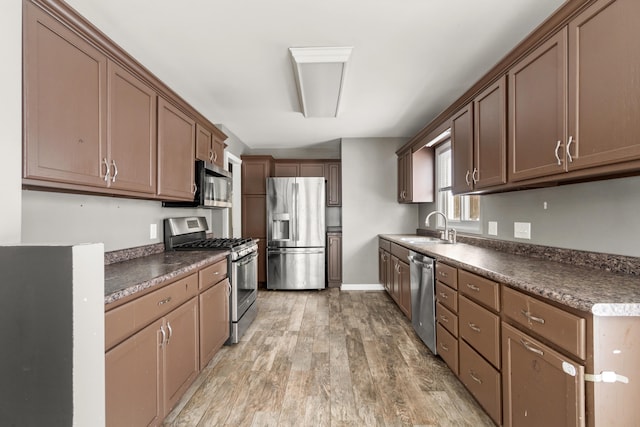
{"points": [[190, 234]]}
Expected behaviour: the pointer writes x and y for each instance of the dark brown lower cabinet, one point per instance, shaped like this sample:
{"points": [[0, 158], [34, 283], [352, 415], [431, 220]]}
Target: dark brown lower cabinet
{"points": [[447, 348], [134, 379], [401, 285], [334, 259], [541, 387], [384, 269], [214, 320], [482, 380], [147, 373]]}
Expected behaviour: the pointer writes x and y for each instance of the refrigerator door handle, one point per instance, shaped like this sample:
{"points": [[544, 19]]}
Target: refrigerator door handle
{"points": [[296, 201]]}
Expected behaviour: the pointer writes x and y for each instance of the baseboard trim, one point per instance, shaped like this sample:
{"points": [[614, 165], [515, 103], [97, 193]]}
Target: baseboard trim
{"points": [[362, 287]]}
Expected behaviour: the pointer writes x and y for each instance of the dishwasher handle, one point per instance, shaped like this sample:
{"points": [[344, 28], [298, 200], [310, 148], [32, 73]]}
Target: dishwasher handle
{"points": [[418, 261]]}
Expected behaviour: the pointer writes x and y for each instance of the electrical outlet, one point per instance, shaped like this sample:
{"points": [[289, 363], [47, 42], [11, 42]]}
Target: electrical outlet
{"points": [[493, 228], [153, 231], [522, 230]]}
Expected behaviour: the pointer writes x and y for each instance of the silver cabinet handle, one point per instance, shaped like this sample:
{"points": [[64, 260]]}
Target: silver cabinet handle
{"points": [[164, 301], [107, 169], [557, 156], [445, 319], [115, 170], [170, 332], [475, 176], [215, 156], [568, 147], [195, 188], [474, 377], [473, 287], [466, 178], [529, 316], [474, 327], [211, 155], [443, 295], [444, 347], [530, 348], [228, 289], [164, 335]]}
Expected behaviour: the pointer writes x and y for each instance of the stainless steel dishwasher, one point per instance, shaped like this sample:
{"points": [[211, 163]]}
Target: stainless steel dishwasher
{"points": [[423, 304]]}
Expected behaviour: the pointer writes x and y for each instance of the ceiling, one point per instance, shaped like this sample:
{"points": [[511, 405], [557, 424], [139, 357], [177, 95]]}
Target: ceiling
{"points": [[230, 58]]}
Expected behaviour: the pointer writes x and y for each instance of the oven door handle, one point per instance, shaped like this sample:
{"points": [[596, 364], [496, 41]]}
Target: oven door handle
{"points": [[246, 260], [295, 251]]}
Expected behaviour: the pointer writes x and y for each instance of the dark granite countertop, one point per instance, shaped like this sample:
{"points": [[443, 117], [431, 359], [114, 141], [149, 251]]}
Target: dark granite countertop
{"points": [[587, 289], [126, 278]]}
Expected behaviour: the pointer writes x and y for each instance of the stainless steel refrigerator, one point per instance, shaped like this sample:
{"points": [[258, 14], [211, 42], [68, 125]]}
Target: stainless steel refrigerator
{"points": [[295, 233]]}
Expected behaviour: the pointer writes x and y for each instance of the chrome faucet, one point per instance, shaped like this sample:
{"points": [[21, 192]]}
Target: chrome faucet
{"points": [[449, 235]]}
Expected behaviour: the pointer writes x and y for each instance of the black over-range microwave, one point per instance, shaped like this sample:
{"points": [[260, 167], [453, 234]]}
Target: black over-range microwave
{"points": [[213, 188]]}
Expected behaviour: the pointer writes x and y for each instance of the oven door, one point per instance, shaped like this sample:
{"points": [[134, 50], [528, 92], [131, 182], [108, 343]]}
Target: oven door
{"points": [[244, 284]]}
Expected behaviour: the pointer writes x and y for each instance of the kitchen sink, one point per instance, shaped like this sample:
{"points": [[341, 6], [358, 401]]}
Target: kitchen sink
{"points": [[422, 239]]}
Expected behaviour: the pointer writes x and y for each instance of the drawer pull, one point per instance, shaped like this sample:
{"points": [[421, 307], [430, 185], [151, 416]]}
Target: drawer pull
{"points": [[170, 332], [444, 319], [164, 301], [530, 348], [473, 287], [531, 317], [474, 377], [443, 295], [474, 327], [444, 347], [442, 273]]}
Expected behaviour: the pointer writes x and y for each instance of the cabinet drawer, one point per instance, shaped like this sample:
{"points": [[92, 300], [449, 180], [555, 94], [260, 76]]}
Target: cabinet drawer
{"points": [[563, 329], [212, 274], [480, 328], [541, 387], [384, 244], [482, 380], [479, 289], [447, 275], [400, 251], [447, 297], [447, 348], [123, 321], [447, 319]]}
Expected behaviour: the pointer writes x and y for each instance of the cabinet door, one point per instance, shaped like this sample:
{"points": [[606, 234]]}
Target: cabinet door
{"points": [[395, 279], [254, 176], [382, 268], [405, 288], [285, 170], [180, 351], [405, 193], [133, 379], [604, 59], [540, 386], [217, 146], [312, 169], [334, 259], [214, 320], [65, 105], [204, 144], [176, 152], [462, 150], [131, 132], [537, 107], [490, 136], [254, 218], [334, 184]]}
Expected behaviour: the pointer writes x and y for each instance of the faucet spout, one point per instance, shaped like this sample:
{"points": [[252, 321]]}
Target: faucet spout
{"points": [[445, 234]]}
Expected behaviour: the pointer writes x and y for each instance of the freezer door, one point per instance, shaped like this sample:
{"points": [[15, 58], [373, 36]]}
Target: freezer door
{"points": [[280, 211], [309, 223], [295, 268]]}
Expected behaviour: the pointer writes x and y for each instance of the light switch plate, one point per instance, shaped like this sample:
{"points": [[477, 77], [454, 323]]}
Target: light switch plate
{"points": [[153, 231], [493, 228], [522, 230]]}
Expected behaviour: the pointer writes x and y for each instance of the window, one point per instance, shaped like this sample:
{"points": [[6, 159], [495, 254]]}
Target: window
{"points": [[463, 212]]}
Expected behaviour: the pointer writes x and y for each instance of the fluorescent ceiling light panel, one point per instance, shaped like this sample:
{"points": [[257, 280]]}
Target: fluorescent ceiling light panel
{"points": [[320, 75]]}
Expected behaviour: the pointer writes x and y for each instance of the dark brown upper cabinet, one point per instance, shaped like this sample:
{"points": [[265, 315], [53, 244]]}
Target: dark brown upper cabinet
{"points": [[176, 151], [462, 150], [131, 132], [312, 169], [537, 106], [490, 136], [333, 177], [209, 146], [416, 175], [574, 100], [65, 104], [286, 169]]}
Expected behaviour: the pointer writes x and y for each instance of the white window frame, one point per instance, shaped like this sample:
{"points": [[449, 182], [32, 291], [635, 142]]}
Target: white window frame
{"points": [[460, 225]]}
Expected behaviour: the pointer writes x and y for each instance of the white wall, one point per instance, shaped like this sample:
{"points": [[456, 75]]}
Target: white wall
{"points": [[10, 120], [369, 207]]}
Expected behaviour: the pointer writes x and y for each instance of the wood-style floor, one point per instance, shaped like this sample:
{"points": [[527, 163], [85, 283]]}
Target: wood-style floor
{"points": [[327, 358]]}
